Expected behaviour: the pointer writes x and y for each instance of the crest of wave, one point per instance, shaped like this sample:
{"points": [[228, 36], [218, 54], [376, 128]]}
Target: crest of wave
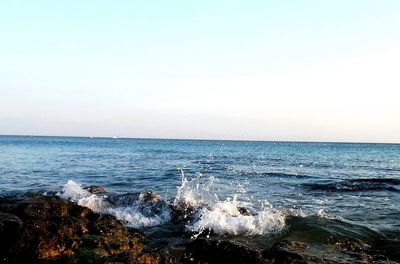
{"points": [[74, 192], [136, 213], [227, 216]]}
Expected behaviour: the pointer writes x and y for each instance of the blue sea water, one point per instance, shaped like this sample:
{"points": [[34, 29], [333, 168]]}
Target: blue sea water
{"points": [[356, 183]]}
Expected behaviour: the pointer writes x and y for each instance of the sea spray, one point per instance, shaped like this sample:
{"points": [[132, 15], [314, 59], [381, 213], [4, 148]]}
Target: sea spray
{"points": [[228, 217], [136, 213], [224, 216], [196, 201], [196, 192]]}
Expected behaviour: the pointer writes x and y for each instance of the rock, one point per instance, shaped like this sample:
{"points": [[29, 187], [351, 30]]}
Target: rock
{"points": [[353, 246], [10, 227], [134, 198], [345, 251], [282, 252], [9, 224], [180, 214], [220, 251], [381, 252], [149, 196], [148, 203], [38, 228], [95, 189], [287, 252], [389, 248], [55, 230], [243, 211], [141, 258], [151, 258]]}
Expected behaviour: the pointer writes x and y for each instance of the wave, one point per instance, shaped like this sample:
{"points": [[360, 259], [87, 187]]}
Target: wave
{"points": [[248, 172], [316, 229], [195, 204], [229, 217], [198, 208], [284, 175], [351, 185], [135, 210], [232, 216]]}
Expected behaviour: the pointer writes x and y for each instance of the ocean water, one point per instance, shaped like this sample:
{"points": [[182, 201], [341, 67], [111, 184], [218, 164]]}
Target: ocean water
{"points": [[309, 191]]}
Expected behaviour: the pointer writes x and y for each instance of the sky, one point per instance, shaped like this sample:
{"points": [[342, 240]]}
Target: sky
{"points": [[247, 70]]}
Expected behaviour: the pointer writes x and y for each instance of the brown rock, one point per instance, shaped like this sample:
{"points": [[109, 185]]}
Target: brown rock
{"points": [[55, 230], [220, 251], [141, 258], [150, 196], [95, 189], [151, 258], [288, 252]]}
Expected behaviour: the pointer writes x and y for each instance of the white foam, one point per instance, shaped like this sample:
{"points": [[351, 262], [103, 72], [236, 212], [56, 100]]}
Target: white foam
{"points": [[224, 216], [135, 218], [228, 216], [73, 191], [133, 215]]}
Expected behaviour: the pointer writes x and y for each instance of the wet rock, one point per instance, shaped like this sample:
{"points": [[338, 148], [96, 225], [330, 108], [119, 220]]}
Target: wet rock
{"points": [[141, 258], [220, 251], [345, 251], [244, 211], [10, 227], [46, 229], [151, 258], [281, 252], [182, 213], [59, 231], [389, 248], [95, 189], [350, 245], [134, 198], [287, 252], [148, 203], [149, 196], [9, 224], [383, 251]]}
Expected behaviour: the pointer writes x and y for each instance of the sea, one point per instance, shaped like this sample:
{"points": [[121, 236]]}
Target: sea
{"points": [[252, 191]]}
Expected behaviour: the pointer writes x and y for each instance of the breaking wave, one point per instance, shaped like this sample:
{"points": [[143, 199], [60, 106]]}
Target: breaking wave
{"points": [[196, 205], [231, 215], [136, 210]]}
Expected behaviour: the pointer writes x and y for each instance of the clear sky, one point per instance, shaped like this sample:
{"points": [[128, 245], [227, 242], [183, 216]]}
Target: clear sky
{"points": [[263, 70]]}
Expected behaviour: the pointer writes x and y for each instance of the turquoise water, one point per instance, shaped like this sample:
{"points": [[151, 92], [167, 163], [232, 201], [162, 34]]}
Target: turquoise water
{"points": [[353, 183]]}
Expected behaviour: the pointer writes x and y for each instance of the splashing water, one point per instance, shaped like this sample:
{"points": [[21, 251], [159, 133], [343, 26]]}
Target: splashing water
{"points": [[195, 193], [207, 211], [136, 213], [227, 216]]}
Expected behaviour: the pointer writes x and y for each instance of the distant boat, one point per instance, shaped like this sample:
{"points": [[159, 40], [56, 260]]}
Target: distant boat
{"points": [[114, 137]]}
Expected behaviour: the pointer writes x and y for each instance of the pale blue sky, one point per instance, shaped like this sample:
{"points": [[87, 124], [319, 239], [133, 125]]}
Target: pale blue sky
{"points": [[264, 70]]}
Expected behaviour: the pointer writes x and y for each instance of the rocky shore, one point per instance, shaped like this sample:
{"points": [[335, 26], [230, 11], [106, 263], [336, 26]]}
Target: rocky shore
{"points": [[37, 228]]}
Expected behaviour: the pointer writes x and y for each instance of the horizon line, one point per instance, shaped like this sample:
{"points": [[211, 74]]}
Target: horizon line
{"points": [[201, 139]]}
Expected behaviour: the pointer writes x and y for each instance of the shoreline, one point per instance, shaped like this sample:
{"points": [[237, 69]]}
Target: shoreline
{"points": [[48, 229]]}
